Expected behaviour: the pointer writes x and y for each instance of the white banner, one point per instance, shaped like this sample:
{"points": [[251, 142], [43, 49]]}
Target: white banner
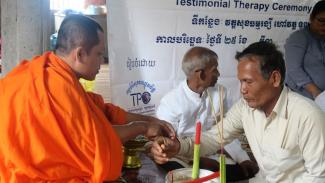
{"points": [[148, 38]]}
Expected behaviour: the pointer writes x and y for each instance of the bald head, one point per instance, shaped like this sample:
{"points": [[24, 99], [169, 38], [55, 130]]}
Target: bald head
{"points": [[197, 58], [77, 31]]}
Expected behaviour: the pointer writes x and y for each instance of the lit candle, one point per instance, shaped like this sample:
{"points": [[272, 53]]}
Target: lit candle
{"points": [[196, 157]]}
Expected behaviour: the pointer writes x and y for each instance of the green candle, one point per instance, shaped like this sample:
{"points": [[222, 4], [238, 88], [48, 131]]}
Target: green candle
{"points": [[196, 156], [222, 168], [196, 160]]}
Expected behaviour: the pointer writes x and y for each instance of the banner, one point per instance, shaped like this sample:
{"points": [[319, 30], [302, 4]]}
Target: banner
{"points": [[148, 38]]}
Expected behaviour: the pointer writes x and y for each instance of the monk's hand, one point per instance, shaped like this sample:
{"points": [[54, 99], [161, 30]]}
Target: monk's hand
{"points": [[249, 167], [164, 129], [167, 129], [164, 148]]}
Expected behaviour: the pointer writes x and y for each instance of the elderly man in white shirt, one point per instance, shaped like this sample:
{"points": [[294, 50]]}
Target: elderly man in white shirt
{"points": [[285, 130], [190, 102]]}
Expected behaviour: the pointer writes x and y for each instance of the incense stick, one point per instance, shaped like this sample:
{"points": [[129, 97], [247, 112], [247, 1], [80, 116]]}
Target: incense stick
{"points": [[222, 156], [221, 115], [214, 114], [222, 162]]}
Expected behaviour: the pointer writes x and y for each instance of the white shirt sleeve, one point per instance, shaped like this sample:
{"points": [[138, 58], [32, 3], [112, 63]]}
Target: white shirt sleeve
{"points": [[208, 144], [166, 112], [311, 142], [236, 152], [320, 100], [210, 141]]}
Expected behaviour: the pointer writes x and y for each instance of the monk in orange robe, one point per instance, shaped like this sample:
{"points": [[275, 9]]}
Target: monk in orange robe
{"points": [[51, 130]]}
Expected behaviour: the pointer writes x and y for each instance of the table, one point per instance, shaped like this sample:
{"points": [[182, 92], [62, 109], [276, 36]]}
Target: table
{"points": [[149, 172]]}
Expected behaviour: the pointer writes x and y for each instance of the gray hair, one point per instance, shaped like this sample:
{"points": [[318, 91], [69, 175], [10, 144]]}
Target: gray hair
{"points": [[197, 58]]}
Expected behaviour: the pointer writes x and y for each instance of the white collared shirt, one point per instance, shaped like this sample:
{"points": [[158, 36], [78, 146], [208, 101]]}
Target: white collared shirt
{"points": [[183, 108], [289, 145]]}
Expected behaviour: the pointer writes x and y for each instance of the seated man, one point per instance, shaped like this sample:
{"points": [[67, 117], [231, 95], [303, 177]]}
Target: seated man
{"points": [[190, 102], [51, 129], [285, 130]]}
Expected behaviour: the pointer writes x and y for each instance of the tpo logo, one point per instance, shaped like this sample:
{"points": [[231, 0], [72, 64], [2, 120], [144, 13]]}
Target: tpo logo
{"points": [[140, 91], [145, 97]]}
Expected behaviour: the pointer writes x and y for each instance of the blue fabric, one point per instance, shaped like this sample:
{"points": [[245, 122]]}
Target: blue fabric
{"points": [[305, 61]]}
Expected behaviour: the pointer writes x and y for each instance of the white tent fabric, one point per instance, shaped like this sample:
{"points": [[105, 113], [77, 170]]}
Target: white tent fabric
{"points": [[148, 38]]}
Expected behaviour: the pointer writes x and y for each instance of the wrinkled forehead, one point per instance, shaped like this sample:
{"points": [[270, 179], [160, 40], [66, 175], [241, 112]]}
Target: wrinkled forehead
{"points": [[213, 63], [249, 62]]}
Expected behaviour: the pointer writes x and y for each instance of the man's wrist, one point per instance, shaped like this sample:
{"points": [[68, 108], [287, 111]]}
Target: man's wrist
{"points": [[312, 89], [140, 126]]}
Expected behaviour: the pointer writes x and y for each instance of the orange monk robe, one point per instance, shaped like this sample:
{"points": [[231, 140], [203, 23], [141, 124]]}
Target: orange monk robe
{"points": [[52, 130]]}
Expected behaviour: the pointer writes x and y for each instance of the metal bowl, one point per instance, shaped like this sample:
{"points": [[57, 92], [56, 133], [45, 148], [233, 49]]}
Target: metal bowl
{"points": [[132, 149], [131, 161], [185, 174], [134, 143]]}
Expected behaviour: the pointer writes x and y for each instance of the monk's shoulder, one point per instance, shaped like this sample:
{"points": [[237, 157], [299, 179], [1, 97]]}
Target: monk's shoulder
{"points": [[62, 85]]}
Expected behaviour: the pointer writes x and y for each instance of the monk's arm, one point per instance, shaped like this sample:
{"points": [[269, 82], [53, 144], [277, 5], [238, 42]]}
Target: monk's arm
{"points": [[130, 130], [148, 126], [166, 128], [138, 117], [145, 125]]}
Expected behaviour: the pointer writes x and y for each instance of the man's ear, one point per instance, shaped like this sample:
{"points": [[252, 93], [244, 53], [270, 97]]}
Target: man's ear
{"points": [[200, 74], [276, 78], [79, 54]]}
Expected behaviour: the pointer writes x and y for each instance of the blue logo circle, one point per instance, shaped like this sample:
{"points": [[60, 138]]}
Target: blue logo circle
{"points": [[146, 97]]}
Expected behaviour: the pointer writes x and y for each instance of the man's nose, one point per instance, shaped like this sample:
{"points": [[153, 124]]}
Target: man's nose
{"points": [[102, 60], [218, 73], [243, 88]]}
